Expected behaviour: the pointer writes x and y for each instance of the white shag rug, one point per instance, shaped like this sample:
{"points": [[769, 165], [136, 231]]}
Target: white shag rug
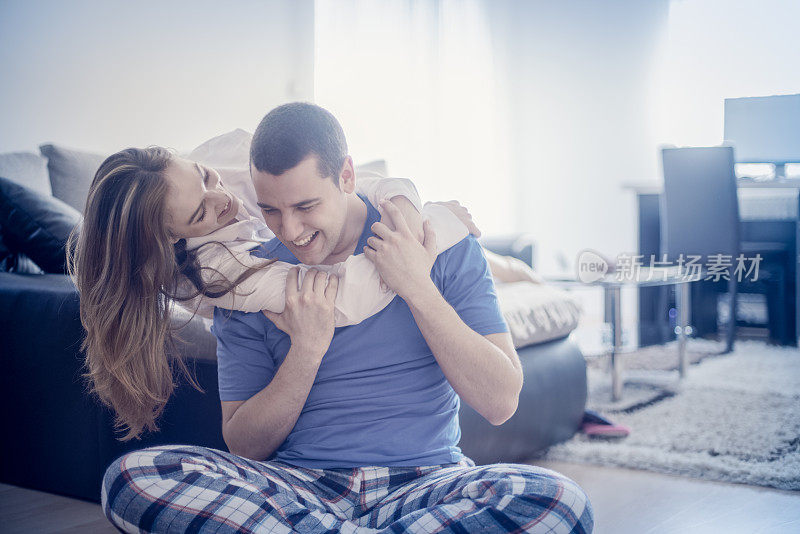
{"points": [[734, 418]]}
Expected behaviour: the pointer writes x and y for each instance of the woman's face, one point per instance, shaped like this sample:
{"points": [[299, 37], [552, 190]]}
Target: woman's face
{"points": [[197, 203]]}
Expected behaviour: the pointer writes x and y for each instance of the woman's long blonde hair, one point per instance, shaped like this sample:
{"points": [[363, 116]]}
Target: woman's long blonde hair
{"points": [[127, 270]]}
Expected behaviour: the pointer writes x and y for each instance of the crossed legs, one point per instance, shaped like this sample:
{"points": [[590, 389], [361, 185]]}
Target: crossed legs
{"points": [[195, 489]]}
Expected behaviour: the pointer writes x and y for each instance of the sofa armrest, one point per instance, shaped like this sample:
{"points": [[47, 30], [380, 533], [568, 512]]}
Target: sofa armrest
{"points": [[550, 410], [194, 340], [61, 437], [52, 422]]}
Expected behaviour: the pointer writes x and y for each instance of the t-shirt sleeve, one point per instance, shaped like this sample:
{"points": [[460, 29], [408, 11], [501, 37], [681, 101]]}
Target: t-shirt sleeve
{"points": [[463, 277], [244, 363], [377, 189]]}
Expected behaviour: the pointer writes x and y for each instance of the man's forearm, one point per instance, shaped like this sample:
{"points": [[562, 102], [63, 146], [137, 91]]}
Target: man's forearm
{"points": [[259, 426], [483, 375]]}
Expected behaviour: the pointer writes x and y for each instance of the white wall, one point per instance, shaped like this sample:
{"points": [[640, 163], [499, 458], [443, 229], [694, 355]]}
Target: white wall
{"points": [[596, 88], [102, 75], [593, 87], [718, 49], [581, 87]]}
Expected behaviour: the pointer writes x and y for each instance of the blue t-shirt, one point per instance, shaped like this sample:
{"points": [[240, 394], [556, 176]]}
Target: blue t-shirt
{"points": [[379, 397]]}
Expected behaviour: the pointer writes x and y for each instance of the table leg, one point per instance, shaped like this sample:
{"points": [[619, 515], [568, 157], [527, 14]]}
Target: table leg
{"points": [[612, 297], [682, 305]]}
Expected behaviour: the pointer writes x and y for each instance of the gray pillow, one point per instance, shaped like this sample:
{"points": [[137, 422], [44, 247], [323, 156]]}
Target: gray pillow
{"points": [[26, 169], [71, 173], [536, 313]]}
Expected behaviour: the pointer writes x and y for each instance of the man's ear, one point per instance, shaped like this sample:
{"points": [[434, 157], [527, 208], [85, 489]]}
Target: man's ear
{"points": [[347, 176]]}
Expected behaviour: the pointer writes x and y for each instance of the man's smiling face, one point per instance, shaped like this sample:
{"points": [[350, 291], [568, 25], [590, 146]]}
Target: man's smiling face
{"points": [[306, 211]]}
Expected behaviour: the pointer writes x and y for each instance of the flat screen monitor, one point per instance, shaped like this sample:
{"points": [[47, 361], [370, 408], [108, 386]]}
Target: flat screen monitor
{"points": [[764, 129]]}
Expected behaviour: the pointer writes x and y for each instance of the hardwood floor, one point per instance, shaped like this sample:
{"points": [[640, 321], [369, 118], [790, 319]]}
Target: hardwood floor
{"points": [[625, 501], [27, 511]]}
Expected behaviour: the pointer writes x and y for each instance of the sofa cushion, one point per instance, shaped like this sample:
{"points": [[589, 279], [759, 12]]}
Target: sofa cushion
{"points": [[26, 168], [230, 149], [536, 313], [36, 225], [71, 173], [549, 410]]}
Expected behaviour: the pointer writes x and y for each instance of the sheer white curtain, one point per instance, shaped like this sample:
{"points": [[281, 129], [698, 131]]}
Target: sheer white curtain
{"points": [[415, 83]]}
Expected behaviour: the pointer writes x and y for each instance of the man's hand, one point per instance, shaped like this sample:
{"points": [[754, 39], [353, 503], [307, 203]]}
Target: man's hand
{"points": [[403, 263], [410, 215], [255, 428], [462, 213], [308, 315]]}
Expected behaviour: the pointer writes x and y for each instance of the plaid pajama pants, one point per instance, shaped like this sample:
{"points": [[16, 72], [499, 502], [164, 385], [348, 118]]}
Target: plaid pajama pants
{"points": [[195, 489]]}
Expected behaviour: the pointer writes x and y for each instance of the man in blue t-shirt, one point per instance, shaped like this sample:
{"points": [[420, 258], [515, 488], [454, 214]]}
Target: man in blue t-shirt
{"points": [[378, 380], [383, 392], [353, 428]]}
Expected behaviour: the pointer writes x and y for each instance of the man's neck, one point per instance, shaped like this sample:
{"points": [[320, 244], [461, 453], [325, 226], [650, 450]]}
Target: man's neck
{"points": [[351, 234]]}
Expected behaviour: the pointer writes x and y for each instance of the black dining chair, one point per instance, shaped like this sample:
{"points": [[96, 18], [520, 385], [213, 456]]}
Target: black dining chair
{"points": [[700, 216]]}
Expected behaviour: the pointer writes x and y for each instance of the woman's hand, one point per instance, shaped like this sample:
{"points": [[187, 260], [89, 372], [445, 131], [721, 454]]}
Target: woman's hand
{"points": [[308, 315], [462, 213]]}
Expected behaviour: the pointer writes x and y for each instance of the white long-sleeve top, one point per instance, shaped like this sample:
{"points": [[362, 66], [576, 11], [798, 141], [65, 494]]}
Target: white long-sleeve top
{"points": [[359, 295]]}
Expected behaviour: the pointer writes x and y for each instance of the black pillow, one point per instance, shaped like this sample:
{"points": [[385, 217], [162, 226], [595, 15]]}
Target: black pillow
{"points": [[36, 225]]}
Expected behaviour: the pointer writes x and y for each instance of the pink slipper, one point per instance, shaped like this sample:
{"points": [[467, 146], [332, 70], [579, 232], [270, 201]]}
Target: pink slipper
{"points": [[607, 431], [596, 424]]}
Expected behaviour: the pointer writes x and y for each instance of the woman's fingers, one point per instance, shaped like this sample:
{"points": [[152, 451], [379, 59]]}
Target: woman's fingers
{"points": [[463, 214]]}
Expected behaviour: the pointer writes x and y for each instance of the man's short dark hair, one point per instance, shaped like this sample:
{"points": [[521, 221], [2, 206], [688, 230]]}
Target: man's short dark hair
{"points": [[290, 133]]}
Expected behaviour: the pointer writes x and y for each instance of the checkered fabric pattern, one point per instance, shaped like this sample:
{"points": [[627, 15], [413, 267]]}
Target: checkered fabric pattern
{"points": [[195, 489]]}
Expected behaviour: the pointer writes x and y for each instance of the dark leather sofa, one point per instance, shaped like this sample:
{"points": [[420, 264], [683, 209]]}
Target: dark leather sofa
{"points": [[60, 440]]}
